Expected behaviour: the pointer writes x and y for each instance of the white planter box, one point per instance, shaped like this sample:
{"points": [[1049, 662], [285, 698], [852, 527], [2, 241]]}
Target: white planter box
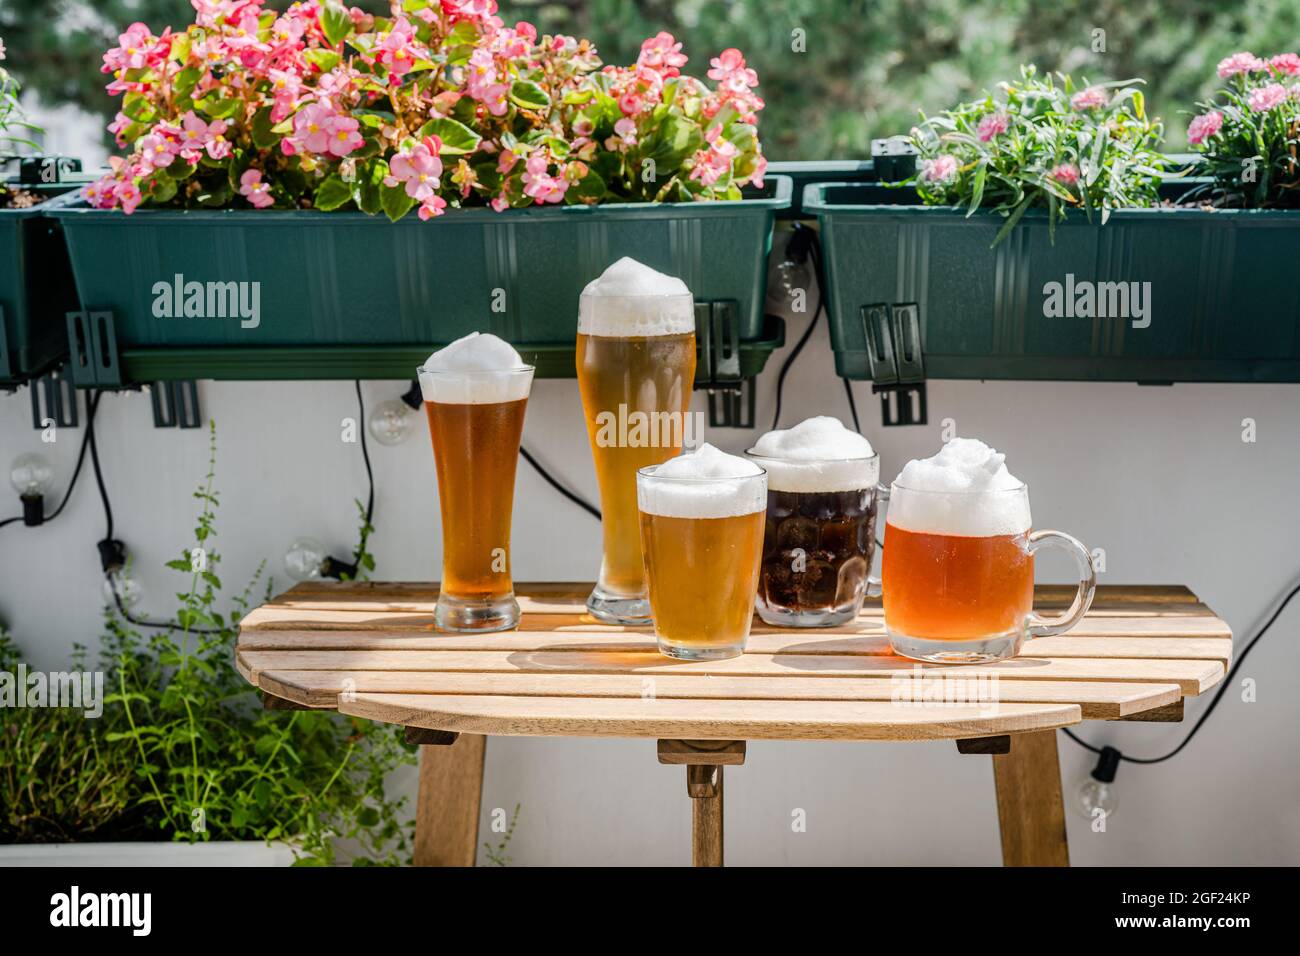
{"points": [[216, 853]]}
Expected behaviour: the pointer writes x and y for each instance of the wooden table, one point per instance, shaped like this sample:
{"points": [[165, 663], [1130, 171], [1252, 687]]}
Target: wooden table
{"points": [[370, 650]]}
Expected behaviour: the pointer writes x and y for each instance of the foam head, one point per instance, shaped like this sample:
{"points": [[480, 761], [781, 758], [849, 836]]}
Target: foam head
{"points": [[965, 489], [631, 299], [705, 483], [818, 454], [478, 369]]}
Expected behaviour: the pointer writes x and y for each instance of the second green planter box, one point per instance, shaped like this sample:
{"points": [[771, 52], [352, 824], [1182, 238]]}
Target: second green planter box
{"points": [[303, 295]]}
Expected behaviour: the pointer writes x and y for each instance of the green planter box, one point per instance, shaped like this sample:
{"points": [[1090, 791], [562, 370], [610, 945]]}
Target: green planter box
{"points": [[344, 295], [1218, 292], [36, 290]]}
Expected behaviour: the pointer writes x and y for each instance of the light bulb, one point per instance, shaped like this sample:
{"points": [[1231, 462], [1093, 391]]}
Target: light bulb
{"points": [[31, 475], [119, 586], [1096, 797], [390, 422], [304, 559]]}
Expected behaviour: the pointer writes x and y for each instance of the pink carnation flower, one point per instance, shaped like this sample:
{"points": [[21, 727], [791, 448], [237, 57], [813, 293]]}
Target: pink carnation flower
{"points": [[1240, 64], [1066, 173], [1204, 126], [1091, 98], [940, 169], [1267, 97], [1286, 63], [992, 125]]}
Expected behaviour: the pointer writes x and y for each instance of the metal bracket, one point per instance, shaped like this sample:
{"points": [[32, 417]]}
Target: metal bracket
{"points": [[175, 404], [732, 399], [893, 335], [893, 159], [54, 398], [92, 348]]}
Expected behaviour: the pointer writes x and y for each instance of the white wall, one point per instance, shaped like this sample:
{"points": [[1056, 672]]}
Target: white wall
{"points": [[1159, 477]]}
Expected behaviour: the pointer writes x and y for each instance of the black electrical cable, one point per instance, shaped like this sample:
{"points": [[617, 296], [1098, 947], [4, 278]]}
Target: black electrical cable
{"points": [[572, 496], [853, 406], [99, 477], [1223, 688], [800, 231], [365, 453]]}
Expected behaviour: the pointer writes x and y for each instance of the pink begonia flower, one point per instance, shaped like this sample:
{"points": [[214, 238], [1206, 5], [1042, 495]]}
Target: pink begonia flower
{"points": [[711, 164], [157, 152], [539, 185], [500, 203], [1066, 173], [992, 125], [2, 49], [1240, 64], [344, 135], [730, 71], [506, 161], [1287, 64], [311, 128], [396, 52], [196, 137], [254, 190], [624, 137], [940, 169], [1204, 126], [433, 206], [418, 168], [663, 54], [760, 170], [1267, 97], [288, 30], [132, 51], [1091, 98], [128, 194]]}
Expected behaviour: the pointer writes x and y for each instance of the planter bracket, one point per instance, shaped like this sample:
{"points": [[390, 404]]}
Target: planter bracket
{"points": [[175, 403], [92, 346], [717, 336], [54, 399], [893, 335]]}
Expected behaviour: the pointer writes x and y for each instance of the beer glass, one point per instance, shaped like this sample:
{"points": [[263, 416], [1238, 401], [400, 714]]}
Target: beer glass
{"points": [[476, 419], [958, 572], [636, 369], [819, 539], [703, 541]]}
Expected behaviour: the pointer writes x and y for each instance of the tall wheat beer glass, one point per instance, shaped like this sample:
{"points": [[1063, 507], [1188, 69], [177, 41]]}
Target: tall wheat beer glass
{"points": [[958, 563], [702, 534], [636, 368], [475, 392]]}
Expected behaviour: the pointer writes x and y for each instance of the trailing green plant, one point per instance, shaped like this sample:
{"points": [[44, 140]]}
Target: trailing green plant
{"points": [[11, 118], [1248, 133], [1043, 142], [497, 854], [184, 750]]}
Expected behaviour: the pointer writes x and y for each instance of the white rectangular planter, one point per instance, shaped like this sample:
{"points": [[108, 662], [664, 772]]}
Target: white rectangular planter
{"points": [[216, 853]]}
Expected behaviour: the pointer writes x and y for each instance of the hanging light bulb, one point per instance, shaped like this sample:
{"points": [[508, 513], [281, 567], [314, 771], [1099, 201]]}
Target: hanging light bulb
{"points": [[305, 559], [32, 475], [390, 422], [120, 587], [1096, 796], [792, 277]]}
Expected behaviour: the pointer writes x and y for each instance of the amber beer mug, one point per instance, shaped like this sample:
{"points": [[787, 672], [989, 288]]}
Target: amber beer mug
{"points": [[476, 420], [636, 368], [958, 572], [702, 535]]}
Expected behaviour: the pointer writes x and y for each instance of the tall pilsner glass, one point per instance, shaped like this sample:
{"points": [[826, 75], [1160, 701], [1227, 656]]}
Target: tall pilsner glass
{"points": [[476, 419], [636, 368]]}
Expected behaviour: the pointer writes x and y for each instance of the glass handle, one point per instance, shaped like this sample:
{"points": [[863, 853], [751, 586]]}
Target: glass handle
{"points": [[1043, 627], [874, 588]]}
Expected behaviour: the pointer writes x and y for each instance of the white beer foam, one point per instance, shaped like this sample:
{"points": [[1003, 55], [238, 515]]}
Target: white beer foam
{"points": [[818, 454], [479, 369], [705, 483], [630, 299], [965, 490]]}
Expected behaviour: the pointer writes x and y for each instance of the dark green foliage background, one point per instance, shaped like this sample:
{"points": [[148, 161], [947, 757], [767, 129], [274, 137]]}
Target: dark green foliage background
{"points": [[867, 69]]}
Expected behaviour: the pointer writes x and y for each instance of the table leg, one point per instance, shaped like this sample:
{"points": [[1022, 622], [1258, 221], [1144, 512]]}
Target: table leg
{"points": [[1031, 813], [704, 760], [447, 810]]}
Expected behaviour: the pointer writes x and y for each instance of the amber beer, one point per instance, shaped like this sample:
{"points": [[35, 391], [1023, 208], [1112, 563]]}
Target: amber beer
{"points": [[636, 367], [958, 574], [476, 420], [703, 543]]}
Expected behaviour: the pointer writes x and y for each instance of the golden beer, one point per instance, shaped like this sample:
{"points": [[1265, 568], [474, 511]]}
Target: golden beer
{"points": [[702, 538], [635, 361], [475, 394]]}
